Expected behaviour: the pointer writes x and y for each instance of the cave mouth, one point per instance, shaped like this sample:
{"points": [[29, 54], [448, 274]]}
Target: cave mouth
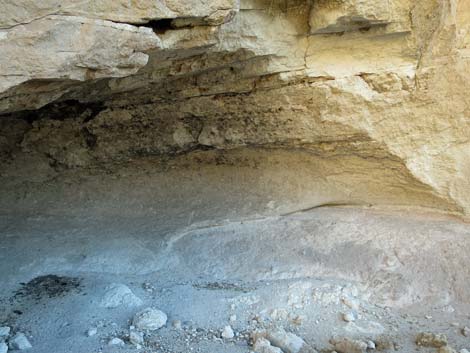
{"points": [[223, 176], [250, 240]]}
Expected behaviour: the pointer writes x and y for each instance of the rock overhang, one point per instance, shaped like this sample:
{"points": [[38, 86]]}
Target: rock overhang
{"points": [[357, 79]]}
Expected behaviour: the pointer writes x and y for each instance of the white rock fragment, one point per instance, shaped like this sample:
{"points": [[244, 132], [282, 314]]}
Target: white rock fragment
{"points": [[118, 294], [370, 344], [116, 342], [448, 309], [19, 342], [286, 341], [227, 332], [466, 331], [349, 317], [176, 324], [464, 351], [233, 318], [149, 319], [3, 347], [262, 345], [4, 332], [92, 331], [136, 337]]}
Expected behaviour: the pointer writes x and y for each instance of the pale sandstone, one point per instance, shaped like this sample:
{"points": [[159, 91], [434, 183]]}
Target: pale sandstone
{"points": [[381, 86], [15, 12]]}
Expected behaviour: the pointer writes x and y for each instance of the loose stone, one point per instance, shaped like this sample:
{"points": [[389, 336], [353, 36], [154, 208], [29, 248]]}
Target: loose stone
{"points": [[150, 319], [19, 342]]}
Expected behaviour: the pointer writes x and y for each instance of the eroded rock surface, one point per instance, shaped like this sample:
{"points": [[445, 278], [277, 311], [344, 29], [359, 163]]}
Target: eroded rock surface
{"points": [[374, 92]]}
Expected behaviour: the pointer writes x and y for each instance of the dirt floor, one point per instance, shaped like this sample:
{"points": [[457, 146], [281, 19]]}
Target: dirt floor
{"points": [[391, 275]]}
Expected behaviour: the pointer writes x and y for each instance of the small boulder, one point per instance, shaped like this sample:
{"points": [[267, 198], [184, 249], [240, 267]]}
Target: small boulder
{"points": [[118, 294], [150, 319], [466, 331], [349, 317], [427, 339], [262, 345], [19, 342], [116, 342], [286, 341], [91, 331], [227, 332], [348, 345]]}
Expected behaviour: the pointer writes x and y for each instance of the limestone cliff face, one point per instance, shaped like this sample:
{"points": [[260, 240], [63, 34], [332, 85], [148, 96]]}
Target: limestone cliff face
{"points": [[372, 94]]}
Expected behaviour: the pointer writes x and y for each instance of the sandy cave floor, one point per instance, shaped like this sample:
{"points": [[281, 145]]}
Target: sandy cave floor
{"points": [[406, 274]]}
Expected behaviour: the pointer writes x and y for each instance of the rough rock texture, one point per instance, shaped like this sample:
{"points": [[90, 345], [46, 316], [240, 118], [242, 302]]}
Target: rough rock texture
{"points": [[149, 319], [19, 342], [135, 11], [262, 345], [118, 294], [74, 48], [373, 92]]}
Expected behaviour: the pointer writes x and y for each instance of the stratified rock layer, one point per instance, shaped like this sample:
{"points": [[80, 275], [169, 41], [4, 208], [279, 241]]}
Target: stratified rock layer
{"points": [[373, 92]]}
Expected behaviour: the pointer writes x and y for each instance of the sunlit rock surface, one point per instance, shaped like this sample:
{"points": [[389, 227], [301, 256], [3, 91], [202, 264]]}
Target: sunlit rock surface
{"points": [[367, 99]]}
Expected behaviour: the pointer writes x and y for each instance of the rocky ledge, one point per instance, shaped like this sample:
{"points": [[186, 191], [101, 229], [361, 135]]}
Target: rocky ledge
{"points": [[374, 92]]}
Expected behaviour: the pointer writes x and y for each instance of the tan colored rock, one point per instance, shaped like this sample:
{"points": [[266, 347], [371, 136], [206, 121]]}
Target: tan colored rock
{"points": [[348, 15], [447, 349], [386, 99], [348, 345], [74, 48], [428, 339], [17, 12]]}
